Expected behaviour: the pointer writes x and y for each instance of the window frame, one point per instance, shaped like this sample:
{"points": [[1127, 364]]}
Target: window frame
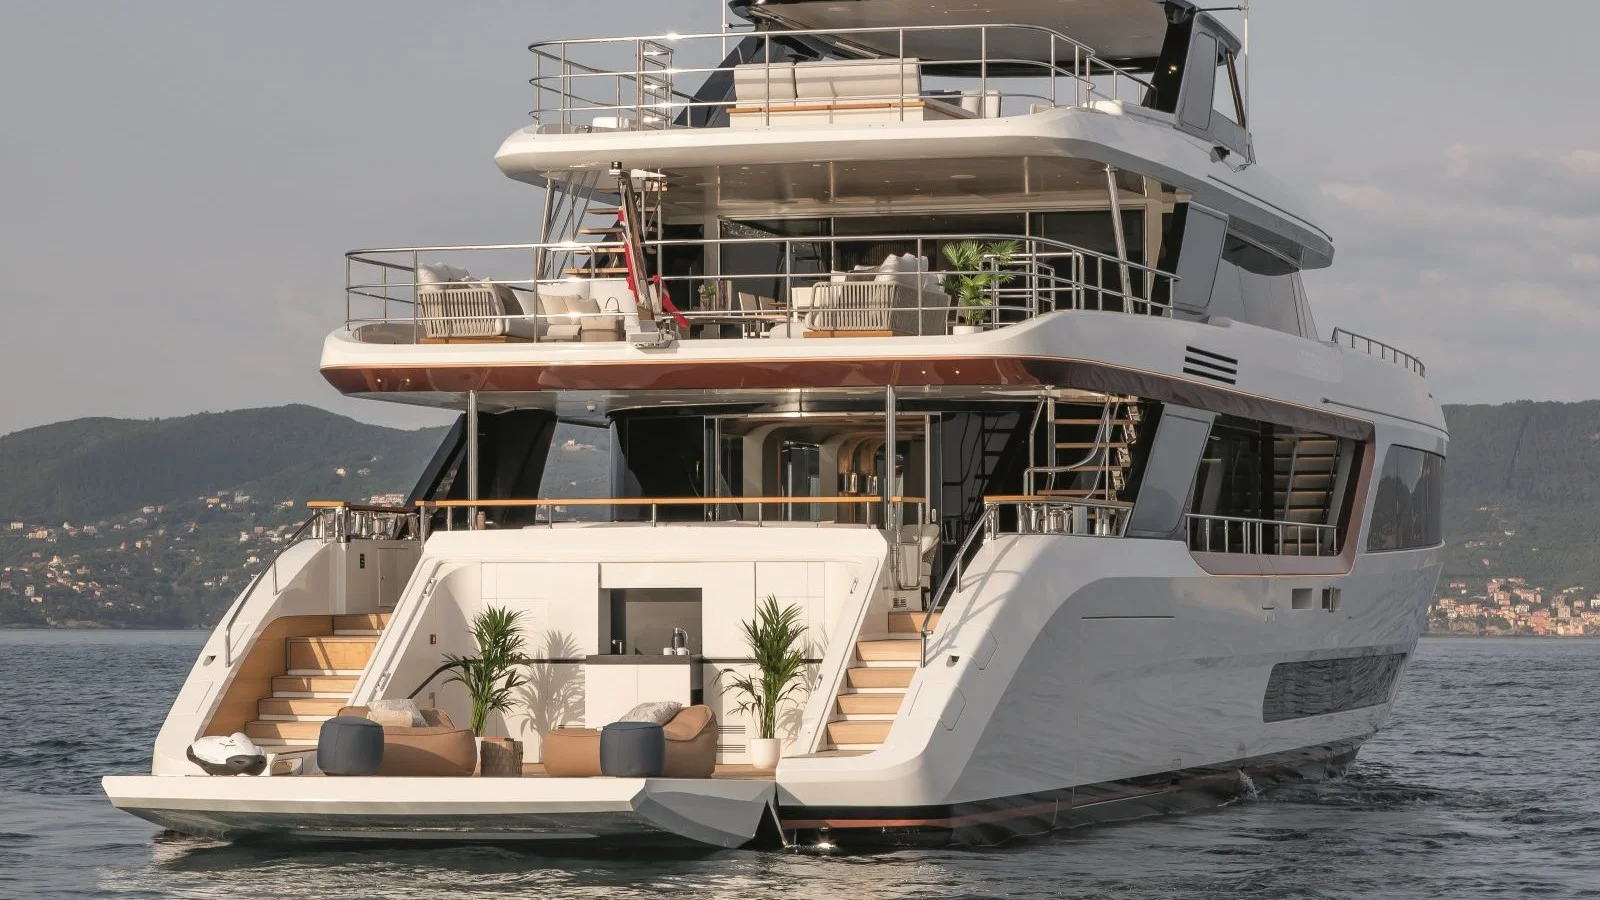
{"points": [[1433, 526]]}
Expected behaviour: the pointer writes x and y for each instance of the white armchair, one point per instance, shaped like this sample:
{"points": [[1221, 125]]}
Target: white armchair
{"points": [[900, 297]]}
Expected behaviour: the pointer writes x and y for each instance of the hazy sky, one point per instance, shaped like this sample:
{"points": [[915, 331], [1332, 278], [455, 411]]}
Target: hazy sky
{"points": [[179, 181]]}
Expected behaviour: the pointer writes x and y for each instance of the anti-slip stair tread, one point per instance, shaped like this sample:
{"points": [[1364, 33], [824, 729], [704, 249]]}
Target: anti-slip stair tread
{"points": [[910, 622], [872, 732], [897, 677], [870, 704], [890, 650], [315, 683], [297, 706]]}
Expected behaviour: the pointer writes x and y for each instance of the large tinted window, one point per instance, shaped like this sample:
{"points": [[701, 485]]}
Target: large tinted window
{"points": [[1409, 510], [1322, 686]]}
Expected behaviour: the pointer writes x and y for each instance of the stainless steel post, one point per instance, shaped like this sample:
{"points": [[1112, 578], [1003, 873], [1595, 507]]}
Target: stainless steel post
{"points": [[1122, 239], [890, 519], [472, 457]]}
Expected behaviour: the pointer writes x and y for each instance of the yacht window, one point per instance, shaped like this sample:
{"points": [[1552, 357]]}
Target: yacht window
{"points": [[1269, 301], [1257, 471], [801, 475], [1200, 83], [1408, 512]]}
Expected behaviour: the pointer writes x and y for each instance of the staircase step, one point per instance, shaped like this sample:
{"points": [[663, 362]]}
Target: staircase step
{"points": [[870, 704], [910, 622], [330, 652], [361, 622], [297, 706], [1092, 445], [880, 677], [870, 732], [284, 731], [898, 650], [314, 684], [610, 229], [1092, 422]]}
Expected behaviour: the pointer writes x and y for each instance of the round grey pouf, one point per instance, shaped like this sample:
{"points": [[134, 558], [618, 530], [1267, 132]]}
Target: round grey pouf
{"points": [[349, 745], [632, 750]]}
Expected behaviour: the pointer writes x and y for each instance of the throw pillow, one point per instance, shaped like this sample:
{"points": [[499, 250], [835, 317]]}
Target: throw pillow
{"points": [[404, 713], [659, 713]]}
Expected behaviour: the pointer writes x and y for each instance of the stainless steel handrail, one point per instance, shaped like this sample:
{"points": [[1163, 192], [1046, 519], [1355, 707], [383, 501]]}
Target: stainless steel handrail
{"points": [[1045, 275], [1252, 536], [244, 595], [313, 526], [655, 504], [1375, 347], [649, 89], [952, 575]]}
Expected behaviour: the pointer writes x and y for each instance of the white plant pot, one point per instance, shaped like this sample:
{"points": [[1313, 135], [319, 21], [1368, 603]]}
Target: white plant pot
{"points": [[765, 752], [965, 329]]}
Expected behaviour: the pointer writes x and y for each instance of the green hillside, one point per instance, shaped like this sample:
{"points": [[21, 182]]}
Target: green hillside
{"points": [[87, 469], [1522, 487], [1523, 500]]}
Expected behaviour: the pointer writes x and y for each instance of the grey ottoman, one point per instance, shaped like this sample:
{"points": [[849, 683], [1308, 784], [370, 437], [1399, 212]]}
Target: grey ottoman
{"points": [[632, 750], [349, 745]]}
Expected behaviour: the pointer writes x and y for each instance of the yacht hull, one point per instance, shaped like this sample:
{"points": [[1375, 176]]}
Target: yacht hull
{"points": [[984, 823]]}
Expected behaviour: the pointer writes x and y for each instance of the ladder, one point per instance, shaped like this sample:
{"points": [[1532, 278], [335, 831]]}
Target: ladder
{"points": [[1305, 480], [589, 234], [1088, 451]]}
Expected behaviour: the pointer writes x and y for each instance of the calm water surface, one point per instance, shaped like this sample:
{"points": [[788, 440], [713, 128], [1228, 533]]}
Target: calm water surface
{"points": [[1481, 787]]}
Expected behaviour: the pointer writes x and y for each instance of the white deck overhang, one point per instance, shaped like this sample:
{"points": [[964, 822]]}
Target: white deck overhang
{"points": [[1125, 136], [1145, 354]]}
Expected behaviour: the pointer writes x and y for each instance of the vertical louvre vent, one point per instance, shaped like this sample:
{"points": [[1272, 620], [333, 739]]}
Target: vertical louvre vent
{"points": [[1213, 366]]}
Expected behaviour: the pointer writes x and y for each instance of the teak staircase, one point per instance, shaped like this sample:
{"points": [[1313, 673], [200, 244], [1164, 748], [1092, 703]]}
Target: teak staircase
{"points": [[320, 673], [875, 684], [1090, 449]]}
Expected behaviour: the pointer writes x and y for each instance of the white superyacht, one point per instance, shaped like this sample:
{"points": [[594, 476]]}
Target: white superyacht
{"points": [[976, 332]]}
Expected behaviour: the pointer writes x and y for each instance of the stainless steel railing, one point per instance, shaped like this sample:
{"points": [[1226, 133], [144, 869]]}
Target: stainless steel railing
{"points": [[1263, 537], [330, 520], [1041, 276], [866, 511], [1374, 347], [650, 82]]}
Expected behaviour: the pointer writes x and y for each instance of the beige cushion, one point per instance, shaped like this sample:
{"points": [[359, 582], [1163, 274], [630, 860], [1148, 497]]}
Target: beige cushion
{"points": [[396, 712], [658, 712]]}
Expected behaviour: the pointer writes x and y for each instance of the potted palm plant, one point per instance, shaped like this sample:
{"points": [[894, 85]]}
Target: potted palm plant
{"points": [[490, 677], [774, 636], [977, 266]]}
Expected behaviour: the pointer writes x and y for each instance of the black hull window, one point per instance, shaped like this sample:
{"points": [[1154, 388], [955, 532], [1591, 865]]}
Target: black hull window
{"points": [[1408, 513], [1323, 686]]}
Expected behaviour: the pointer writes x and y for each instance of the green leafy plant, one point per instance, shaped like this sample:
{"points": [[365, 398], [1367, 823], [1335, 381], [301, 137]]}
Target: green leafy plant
{"points": [[978, 266], [774, 636], [492, 675]]}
